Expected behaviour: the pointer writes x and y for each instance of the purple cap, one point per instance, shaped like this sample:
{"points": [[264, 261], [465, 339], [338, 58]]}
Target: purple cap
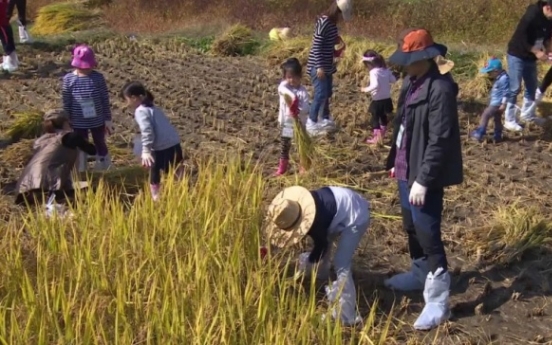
{"points": [[83, 57]]}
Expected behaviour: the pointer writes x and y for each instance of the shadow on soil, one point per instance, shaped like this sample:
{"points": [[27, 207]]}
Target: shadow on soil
{"points": [[490, 288]]}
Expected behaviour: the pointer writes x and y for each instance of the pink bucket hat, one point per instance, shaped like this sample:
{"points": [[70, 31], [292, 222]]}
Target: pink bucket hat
{"points": [[83, 57]]}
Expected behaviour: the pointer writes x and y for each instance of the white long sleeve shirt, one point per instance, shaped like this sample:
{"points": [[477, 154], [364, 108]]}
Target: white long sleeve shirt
{"points": [[352, 209], [304, 105], [381, 80]]}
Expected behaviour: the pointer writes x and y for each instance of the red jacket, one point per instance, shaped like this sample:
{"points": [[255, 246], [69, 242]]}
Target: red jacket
{"points": [[4, 20]]}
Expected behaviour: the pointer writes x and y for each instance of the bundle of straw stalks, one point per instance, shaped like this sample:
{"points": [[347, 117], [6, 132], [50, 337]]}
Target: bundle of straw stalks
{"points": [[64, 17], [238, 40], [27, 125], [305, 145]]}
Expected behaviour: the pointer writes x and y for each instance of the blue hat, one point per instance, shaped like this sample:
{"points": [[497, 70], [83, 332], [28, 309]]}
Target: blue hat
{"points": [[493, 64], [416, 45]]}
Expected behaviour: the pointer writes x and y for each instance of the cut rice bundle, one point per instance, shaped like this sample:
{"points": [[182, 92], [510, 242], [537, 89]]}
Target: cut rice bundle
{"points": [[305, 145]]}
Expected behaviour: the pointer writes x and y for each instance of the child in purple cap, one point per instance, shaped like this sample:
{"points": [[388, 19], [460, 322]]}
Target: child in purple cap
{"points": [[86, 100]]}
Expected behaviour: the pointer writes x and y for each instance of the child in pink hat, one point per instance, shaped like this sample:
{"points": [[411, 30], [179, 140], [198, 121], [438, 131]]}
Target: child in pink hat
{"points": [[86, 100]]}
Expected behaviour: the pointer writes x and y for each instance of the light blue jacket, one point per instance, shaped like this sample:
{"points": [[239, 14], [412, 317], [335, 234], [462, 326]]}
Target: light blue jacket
{"points": [[499, 92], [156, 130]]}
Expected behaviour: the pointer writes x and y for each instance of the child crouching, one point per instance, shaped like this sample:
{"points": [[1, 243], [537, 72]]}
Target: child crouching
{"points": [[161, 148], [55, 155], [323, 214], [291, 86], [497, 102]]}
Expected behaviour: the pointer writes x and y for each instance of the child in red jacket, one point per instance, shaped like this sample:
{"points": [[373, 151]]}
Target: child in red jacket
{"points": [[10, 63]]}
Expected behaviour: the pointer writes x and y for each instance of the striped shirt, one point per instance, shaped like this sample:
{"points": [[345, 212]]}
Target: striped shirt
{"points": [[86, 100], [321, 54]]}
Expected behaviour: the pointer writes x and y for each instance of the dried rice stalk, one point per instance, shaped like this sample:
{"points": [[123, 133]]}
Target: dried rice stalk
{"points": [[305, 145]]}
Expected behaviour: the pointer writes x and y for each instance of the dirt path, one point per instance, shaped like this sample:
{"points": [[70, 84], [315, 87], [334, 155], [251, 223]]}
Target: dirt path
{"points": [[231, 105]]}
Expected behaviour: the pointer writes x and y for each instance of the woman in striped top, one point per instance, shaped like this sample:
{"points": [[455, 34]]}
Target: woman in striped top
{"points": [[86, 100], [320, 65]]}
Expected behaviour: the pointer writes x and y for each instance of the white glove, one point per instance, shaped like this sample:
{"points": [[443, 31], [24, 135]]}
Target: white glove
{"points": [[147, 160], [109, 127], [417, 194]]}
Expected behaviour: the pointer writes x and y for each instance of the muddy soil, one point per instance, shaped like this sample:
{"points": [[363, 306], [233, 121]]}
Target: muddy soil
{"points": [[230, 105]]}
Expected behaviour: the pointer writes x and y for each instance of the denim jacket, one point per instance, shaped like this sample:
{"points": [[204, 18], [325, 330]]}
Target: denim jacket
{"points": [[499, 92]]}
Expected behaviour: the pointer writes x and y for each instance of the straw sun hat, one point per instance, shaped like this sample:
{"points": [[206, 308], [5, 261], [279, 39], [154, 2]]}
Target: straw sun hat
{"points": [[290, 216], [443, 64]]}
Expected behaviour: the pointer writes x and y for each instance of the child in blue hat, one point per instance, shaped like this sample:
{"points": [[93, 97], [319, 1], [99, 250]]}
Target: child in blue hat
{"points": [[498, 99]]}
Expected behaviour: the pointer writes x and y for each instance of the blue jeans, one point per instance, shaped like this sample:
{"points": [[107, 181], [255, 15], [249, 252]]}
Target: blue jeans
{"points": [[519, 70], [423, 226], [322, 93]]}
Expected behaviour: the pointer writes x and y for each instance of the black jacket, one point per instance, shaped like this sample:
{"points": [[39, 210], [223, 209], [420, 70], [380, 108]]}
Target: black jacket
{"points": [[435, 154], [532, 26]]}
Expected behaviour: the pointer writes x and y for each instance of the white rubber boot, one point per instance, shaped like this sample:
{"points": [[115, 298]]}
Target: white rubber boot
{"points": [[412, 280], [343, 291], [82, 162], [436, 297], [510, 122]]}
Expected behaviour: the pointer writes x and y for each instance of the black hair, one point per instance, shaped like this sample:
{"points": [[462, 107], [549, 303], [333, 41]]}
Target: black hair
{"points": [[136, 89], [376, 59], [333, 12], [293, 66]]}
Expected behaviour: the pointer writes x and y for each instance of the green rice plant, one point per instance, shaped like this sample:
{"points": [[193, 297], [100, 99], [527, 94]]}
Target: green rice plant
{"points": [[27, 125], [183, 270]]}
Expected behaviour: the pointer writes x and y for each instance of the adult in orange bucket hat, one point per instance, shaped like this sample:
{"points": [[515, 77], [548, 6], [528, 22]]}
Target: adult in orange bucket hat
{"points": [[425, 158]]}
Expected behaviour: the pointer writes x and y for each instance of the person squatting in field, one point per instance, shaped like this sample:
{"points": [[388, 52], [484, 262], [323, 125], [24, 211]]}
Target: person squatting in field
{"points": [[10, 62], [21, 5], [86, 100], [325, 215], [291, 86], [54, 157], [160, 141], [321, 66], [425, 157], [379, 88], [497, 100], [526, 47]]}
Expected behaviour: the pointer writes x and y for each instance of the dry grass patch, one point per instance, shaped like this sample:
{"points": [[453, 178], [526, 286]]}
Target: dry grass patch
{"points": [[65, 17], [350, 63], [512, 232]]}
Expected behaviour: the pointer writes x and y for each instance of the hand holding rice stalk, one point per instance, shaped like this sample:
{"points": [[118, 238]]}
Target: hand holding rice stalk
{"points": [[305, 146]]}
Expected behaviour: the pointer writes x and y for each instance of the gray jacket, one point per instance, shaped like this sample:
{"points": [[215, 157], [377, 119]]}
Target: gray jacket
{"points": [[435, 154], [156, 130]]}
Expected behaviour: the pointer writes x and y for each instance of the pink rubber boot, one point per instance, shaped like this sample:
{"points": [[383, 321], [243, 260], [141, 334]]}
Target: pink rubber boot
{"points": [[154, 189], [282, 167], [383, 131], [376, 137]]}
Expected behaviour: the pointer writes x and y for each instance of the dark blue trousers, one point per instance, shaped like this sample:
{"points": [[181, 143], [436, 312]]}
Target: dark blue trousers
{"points": [[423, 226]]}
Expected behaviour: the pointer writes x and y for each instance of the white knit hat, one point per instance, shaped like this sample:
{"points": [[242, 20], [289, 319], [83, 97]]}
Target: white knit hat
{"points": [[346, 7]]}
